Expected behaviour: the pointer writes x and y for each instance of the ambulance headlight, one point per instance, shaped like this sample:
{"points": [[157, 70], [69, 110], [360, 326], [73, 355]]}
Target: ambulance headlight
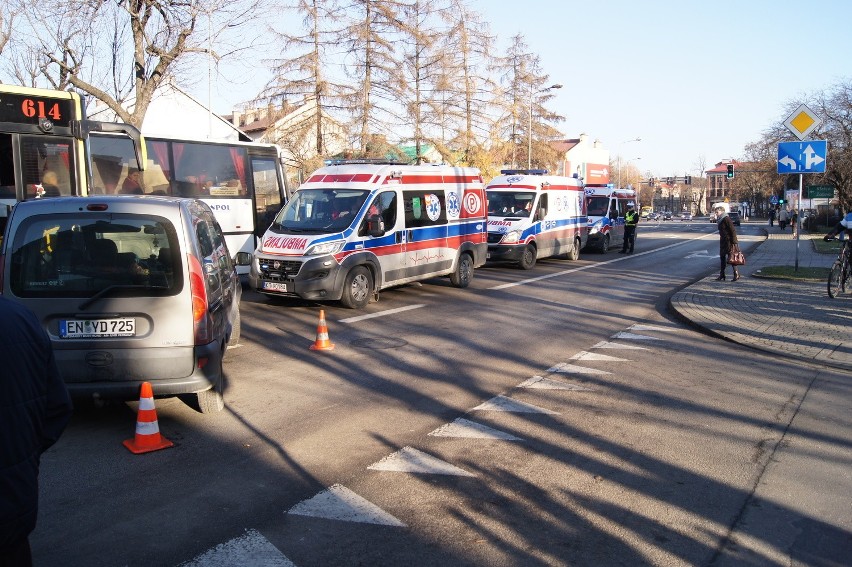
{"points": [[511, 237], [595, 228], [325, 248]]}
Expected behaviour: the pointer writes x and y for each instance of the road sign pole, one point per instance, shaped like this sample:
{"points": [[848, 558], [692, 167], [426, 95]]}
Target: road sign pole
{"points": [[798, 226]]}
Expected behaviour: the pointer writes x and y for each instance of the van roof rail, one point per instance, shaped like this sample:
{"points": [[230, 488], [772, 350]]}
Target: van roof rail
{"points": [[372, 161], [523, 172]]}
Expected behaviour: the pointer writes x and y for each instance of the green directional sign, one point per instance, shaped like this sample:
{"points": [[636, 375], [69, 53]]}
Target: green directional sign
{"points": [[819, 192]]}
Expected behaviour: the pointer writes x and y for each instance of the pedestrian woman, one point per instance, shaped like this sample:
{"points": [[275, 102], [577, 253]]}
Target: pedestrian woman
{"points": [[727, 239]]}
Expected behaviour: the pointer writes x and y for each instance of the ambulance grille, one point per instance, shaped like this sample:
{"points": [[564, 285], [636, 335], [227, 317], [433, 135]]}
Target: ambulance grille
{"points": [[494, 237], [279, 269]]}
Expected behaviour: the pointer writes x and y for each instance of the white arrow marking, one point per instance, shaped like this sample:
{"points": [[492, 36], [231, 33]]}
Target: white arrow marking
{"points": [[249, 549], [409, 459], [701, 254], [586, 355], [634, 337], [462, 427], [788, 161], [502, 403], [607, 344], [811, 157], [541, 383], [565, 368], [340, 503]]}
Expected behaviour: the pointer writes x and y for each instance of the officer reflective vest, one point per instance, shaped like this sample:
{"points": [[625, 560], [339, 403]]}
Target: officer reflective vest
{"points": [[631, 218]]}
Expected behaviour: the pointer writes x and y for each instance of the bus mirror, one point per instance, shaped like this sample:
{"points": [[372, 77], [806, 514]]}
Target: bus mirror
{"points": [[542, 212], [375, 226], [243, 259]]}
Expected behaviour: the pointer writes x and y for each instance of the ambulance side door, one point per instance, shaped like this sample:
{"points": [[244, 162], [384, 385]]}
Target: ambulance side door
{"points": [[426, 232], [390, 248]]}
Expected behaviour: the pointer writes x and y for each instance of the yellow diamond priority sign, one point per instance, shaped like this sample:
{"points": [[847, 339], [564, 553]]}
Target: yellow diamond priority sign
{"points": [[802, 122]]}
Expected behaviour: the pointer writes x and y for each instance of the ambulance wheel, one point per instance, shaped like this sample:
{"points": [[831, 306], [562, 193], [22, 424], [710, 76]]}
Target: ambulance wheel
{"points": [[357, 288], [464, 271], [574, 253], [605, 244], [528, 257]]}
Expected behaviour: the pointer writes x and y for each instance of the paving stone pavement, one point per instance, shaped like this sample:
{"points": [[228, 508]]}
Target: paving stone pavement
{"points": [[789, 318]]}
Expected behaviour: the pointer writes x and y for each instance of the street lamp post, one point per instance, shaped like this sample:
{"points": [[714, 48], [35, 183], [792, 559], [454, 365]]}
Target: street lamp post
{"points": [[529, 131], [637, 139], [627, 163]]}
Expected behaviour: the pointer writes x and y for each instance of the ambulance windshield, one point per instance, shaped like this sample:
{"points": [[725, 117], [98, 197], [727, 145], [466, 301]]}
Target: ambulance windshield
{"points": [[510, 203], [597, 206], [320, 210]]}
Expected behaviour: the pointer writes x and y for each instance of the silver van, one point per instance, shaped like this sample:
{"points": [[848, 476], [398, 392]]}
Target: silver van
{"points": [[130, 289]]}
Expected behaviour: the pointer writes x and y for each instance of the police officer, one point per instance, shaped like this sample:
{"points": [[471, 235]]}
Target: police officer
{"points": [[631, 219]]}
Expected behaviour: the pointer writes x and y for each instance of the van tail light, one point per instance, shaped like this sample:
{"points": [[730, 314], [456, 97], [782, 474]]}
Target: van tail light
{"points": [[201, 323]]}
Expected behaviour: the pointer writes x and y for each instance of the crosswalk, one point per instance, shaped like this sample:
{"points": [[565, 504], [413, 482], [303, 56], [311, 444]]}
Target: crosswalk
{"points": [[339, 503]]}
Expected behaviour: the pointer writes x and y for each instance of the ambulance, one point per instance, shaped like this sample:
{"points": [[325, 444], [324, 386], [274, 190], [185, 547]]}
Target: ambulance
{"points": [[533, 215], [355, 228], [605, 210]]}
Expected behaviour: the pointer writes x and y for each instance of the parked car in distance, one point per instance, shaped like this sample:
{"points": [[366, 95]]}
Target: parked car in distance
{"points": [[130, 289], [654, 216], [735, 217], [667, 215], [686, 216]]}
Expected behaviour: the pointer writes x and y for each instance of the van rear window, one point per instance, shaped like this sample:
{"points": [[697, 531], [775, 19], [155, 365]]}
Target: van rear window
{"points": [[69, 255]]}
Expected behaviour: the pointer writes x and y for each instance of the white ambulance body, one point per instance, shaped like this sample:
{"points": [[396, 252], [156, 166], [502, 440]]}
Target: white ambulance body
{"points": [[533, 215], [353, 229], [605, 210]]}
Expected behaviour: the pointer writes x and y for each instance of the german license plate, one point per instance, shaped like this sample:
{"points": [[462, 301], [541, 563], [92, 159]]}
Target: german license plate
{"points": [[93, 328], [275, 286]]}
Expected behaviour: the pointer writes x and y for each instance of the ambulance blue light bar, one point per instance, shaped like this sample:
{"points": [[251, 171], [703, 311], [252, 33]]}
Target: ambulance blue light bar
{"points": [[523, 172]]}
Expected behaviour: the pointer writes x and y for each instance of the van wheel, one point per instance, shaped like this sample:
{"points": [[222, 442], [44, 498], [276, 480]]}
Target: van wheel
{"points": [[211, 401], [464, 271], [528, 257], [604, 244], [574, 253], [357, 288]]}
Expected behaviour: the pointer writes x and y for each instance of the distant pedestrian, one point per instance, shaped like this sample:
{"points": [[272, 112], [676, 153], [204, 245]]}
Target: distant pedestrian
{"points": [[631, 219], [772, 217], [727, 239], [794, 221], [35, 410], [783, 218]]}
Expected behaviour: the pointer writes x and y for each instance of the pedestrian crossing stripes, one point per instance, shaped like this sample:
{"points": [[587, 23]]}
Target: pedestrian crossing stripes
{"points": [[410, 460], [340, 503], [465, 428], [539, 382]]}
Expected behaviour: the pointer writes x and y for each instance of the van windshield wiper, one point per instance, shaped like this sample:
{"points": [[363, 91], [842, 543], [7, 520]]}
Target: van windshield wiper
{"points": [[109, 290]]}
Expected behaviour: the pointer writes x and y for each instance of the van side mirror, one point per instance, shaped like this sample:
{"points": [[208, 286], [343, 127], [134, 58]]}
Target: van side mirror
{"points": [[243, 259], [375, 226], [542, 212]]}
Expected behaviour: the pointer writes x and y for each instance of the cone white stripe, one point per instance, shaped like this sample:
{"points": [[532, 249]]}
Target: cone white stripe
{"points": [[146, 403], [147, 427]]}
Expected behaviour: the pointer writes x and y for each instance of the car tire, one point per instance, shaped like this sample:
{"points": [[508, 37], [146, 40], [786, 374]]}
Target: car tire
{"points": [[357, 288], [528, 257], [574, 253], [604, 247], [463, 273]]}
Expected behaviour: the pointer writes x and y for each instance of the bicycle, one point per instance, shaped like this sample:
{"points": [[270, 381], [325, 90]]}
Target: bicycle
{"points": [[841, 271]]}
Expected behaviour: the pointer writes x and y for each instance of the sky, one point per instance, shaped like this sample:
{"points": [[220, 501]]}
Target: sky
{"points": [[695, 80]]}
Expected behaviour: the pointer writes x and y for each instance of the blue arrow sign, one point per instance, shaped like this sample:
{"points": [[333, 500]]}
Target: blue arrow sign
{"points": [[802, 157]]}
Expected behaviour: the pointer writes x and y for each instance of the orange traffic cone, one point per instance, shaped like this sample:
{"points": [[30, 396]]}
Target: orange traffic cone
{"points": [[147, 429], [322, 342]]}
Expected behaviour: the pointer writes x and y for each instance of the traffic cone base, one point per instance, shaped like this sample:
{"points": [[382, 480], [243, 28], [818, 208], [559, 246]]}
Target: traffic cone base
{"points": [[148, 436], [322, 342]]}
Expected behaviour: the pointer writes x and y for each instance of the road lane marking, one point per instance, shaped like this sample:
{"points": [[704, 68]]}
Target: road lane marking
{"points": [[607, 344], [249, 549], [542, 383], [381, 313], [340, 503], [586, 355], [410, 460], [639, 327], [634, 337], [462, 427], [565, 368], [597, 264], [503, 403]]}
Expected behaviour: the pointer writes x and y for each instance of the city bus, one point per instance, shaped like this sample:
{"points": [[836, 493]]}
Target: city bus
{"points": [[243, 182], [43, 137]]}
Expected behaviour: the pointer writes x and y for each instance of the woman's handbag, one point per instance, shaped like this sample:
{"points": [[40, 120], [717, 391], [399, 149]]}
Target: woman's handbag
{"points": [[735, 256]]}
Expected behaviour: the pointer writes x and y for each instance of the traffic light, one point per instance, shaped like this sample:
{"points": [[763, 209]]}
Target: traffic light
{"points": [[730, 171], [780, 201]]}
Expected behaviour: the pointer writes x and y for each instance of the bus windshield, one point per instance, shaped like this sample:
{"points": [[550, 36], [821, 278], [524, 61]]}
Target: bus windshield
{"points": [[321, 210]]}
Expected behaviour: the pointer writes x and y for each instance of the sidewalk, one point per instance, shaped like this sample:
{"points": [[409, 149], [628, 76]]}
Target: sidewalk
{"points": [[788, 318]]}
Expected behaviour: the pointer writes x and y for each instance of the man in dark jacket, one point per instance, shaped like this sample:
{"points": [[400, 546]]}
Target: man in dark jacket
{"points": [[631, 219], [34, 410], [727, 239]]}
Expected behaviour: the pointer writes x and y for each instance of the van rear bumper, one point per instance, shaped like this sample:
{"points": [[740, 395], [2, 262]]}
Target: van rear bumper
{"points": [[117, 387]]}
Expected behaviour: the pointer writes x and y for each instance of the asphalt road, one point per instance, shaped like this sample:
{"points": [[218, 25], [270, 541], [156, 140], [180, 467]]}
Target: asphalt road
{"points": [[546, 417]]}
